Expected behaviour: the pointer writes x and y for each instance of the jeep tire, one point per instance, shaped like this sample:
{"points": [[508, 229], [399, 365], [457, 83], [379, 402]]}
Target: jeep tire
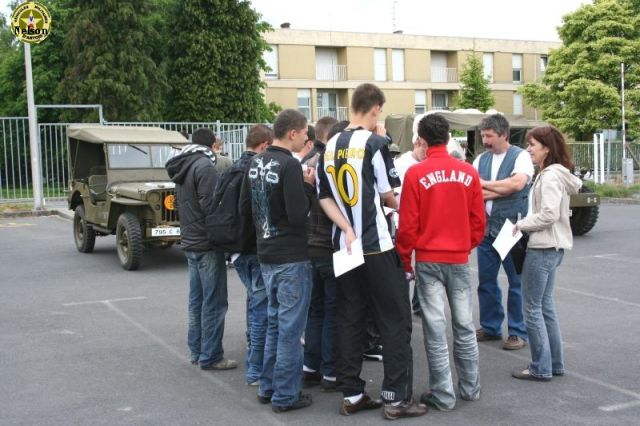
{"points": [[583, 219], [129, 241], [83, 233]]}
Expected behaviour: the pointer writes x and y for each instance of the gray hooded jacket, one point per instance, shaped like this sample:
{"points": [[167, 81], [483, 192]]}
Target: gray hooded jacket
{"points": [[548, 221]]}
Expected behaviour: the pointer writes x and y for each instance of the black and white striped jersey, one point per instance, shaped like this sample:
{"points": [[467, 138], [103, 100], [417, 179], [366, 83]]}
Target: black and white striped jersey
{"points": [[354, 170]]}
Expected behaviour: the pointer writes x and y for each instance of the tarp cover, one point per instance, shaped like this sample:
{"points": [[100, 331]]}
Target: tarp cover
{"points": [[399, 126], [122, 134]]}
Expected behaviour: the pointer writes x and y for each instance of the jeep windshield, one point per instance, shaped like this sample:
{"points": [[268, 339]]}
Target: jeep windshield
{"points": [[140, 156]]}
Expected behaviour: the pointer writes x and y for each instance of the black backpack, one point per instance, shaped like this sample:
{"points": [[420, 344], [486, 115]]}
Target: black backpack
{"points": [[228, 227]]}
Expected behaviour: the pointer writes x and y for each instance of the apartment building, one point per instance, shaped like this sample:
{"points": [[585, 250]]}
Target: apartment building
{"points": [[316, 71]]}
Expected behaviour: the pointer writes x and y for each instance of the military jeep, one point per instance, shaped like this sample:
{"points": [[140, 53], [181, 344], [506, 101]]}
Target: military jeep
{"points": [[118, 186], [584, 205]]}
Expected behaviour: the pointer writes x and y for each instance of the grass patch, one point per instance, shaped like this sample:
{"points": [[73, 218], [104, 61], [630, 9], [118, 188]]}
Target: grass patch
{"points": [[616, 191], [49, 191], [10, 208]]}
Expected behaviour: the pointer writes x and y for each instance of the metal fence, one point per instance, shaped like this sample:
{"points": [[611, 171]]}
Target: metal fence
{"points": [[15, 155], [15, 160], [582, 154]]}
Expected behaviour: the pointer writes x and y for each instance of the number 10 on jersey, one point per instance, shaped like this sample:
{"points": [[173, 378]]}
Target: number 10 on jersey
{"points": [[338, 179]]}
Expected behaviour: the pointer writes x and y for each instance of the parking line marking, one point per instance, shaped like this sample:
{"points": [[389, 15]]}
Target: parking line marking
{"points": [[95, 302], [582, 293], [589, 379], [178, 354], [608, 299], [617, 407]]}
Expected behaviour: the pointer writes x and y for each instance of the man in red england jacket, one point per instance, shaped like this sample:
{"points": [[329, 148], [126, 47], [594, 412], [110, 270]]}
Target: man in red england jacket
{"points": [[442, 219]]}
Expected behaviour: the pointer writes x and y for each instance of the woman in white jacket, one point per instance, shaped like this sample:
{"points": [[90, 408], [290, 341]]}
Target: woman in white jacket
{"points": [[547, 225]]}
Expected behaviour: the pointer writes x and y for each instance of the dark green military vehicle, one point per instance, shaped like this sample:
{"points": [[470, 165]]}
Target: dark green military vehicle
{"points": [[118, 186], [584, 205]]}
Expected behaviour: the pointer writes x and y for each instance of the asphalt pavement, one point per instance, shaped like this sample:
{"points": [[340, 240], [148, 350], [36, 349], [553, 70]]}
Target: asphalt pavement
{"points": [[84, 342]]}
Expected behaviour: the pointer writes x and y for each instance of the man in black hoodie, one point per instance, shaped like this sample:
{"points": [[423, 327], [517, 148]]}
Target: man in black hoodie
{"points": [[195, 177], [280, 197], [247, 265]]}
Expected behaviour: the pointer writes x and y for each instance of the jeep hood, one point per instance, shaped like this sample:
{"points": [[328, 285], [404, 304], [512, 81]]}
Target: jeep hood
{"points": [[139, 190]]}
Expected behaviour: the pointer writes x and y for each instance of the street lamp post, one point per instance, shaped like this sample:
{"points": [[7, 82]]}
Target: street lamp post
{"points": [[33, 135]]}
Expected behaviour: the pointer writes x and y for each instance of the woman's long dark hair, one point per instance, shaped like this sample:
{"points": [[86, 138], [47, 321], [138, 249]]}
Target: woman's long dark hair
{"points": [[551, 137]]}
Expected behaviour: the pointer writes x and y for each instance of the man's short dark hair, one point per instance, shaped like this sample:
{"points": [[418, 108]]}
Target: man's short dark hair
{"points": [[496, 122], [203, 136], [337, 128], [365, 97], [323, 126], [434, 128], [311, 133], [288, 120], [258, 134]]}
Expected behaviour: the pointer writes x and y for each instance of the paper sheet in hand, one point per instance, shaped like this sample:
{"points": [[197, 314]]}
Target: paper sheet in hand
{"points": [[343, 262], [505, 239]]}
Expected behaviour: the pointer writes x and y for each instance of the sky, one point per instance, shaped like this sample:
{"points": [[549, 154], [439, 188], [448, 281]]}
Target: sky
{"points": [[502, 19]]}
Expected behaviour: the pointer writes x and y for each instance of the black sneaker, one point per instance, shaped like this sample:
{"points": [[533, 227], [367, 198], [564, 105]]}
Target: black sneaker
{"points": [[264, 399], [302, 402], [374, 353], [328, 385], [311, 378]]}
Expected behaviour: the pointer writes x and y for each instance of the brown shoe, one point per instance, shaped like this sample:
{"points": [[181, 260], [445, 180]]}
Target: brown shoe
{"points": [[224, 364], [526, 375], [404, 409], [483, 336], [514, 343], [365, 403]]}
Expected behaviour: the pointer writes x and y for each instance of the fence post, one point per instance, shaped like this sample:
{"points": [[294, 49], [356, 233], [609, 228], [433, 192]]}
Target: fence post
{"points": [[34, 136]]}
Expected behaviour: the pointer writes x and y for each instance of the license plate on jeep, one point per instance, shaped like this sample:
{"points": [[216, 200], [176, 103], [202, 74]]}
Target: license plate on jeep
{"points": [[165, 232]]}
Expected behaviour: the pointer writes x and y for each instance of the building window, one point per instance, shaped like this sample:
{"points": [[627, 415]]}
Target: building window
{"points": [[544, 60], [517, 104], [397, 61], [271, 58], [420, 102], [440, 100], [380, 64], [304, 102], [516, 64], [487, 62]]}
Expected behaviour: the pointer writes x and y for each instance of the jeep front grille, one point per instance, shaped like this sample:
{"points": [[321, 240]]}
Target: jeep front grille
{"points": [[168, 215]]}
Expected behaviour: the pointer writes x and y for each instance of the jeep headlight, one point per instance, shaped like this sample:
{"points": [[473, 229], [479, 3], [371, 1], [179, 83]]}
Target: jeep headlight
{"points": [[170, 202]]}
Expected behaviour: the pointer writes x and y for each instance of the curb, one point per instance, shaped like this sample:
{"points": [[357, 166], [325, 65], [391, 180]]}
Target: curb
{"points": [[36, 213], [619, 201]]}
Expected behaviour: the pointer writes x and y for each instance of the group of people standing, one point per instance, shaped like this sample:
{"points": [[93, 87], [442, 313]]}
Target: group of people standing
{"points": [[330, 196]]}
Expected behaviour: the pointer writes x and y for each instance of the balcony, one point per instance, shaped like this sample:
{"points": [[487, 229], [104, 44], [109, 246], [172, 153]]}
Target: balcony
{"points": [[339, 113], [444, 75], [331, 72]]}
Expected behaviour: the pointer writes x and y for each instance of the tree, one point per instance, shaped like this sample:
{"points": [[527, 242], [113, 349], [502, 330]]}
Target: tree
{"points": [[475, 91], [218, 58], [109, 45], [580, 91]]}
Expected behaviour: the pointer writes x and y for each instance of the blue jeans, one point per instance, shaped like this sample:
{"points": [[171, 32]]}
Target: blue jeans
{"points": [[207, 305], [437, 282], [289, 292], [248, 269], [545, 341], [320, 335], [490, 295]]}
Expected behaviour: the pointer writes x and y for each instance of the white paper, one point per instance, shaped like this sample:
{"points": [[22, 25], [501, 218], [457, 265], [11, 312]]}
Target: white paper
{"points": [[344, 262], [505, 239], [387, 210], [234, 256]]}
